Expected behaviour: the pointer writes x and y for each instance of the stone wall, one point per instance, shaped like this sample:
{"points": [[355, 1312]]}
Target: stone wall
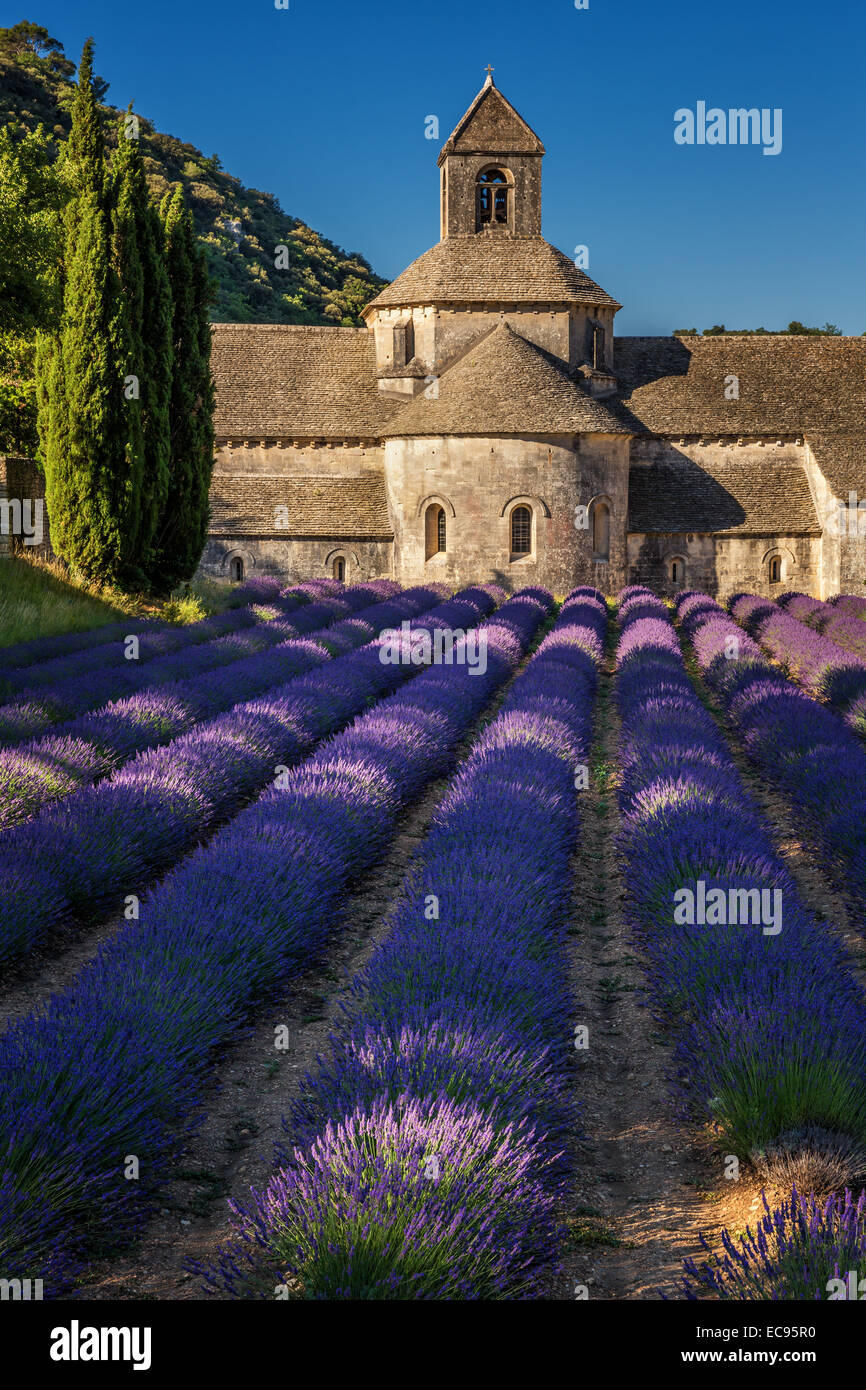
{"points": [[441, 336], [479, 481], [292, 560], [24, 525], [724, 565]]}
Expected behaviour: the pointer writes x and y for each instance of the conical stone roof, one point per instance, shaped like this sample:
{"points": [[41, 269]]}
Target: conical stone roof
{"points": [[505, 385], [490, 269]]}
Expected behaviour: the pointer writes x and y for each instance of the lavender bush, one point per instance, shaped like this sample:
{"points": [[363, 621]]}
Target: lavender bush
{"points": [[796, 1252], [803, 748]]}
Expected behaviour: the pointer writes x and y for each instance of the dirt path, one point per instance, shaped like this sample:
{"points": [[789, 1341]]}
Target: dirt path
{"points": [[646, 1183], [233, 1150]]}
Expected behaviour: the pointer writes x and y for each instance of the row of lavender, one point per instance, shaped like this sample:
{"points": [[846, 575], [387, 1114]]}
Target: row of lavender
{"points": [[835, 621], [827, 668], [428, 1140], [113, 676], [768, 1019], [801, 746], [117, 1064], [804, 1243], [87, 748], [102, 842]]}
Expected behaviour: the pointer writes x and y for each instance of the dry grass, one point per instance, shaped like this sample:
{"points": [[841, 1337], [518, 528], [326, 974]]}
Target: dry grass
{"points": [[39, 598]]}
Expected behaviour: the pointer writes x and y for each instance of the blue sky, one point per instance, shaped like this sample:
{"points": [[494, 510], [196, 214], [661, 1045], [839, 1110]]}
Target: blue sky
{"points": [[324, 104]]}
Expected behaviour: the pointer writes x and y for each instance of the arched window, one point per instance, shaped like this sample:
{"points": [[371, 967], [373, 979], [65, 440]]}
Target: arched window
{"points": [[339, 569], [492, 195], [677, 570], [434, 530], [776, 569], [521, 531], [601, 531], [236, 569]]}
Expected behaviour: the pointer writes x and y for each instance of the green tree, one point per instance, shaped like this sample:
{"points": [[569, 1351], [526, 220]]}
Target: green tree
{"points": [[92, 469], [183, 528], [32, 195], [32, 46]]}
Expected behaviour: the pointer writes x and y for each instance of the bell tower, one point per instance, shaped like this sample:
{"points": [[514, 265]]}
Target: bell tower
{"points": [[491, 171]]}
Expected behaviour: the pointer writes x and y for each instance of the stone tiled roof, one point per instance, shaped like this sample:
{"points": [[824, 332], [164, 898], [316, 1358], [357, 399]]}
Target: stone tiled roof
{"points": [[275, 380], [337, 508], [505, 385], [491, 125], [842, 460], [787, 384], [492, 269], [743, 498]]}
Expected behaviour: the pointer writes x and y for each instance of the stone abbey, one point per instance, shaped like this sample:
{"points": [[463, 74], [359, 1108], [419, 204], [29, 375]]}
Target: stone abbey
{"points": [[488, 425]]}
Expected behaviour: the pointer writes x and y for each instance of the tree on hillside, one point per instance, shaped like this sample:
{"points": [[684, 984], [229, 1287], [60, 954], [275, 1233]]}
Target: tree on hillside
{"points": [[32, 46], [183, 527], [93, 467]]}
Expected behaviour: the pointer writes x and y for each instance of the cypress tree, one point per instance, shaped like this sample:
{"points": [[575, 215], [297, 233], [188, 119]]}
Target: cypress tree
{"points": [[92, 466], [124, 222], [138, 248], [183, 530]]}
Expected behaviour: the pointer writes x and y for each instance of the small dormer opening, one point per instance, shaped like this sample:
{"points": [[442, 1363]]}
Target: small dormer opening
{"points": [[598, 347], [404, 343], [493, 199]]}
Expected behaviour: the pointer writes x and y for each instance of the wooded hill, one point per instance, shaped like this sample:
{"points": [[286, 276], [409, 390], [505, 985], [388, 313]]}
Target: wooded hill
{"points": [[240, 228]]}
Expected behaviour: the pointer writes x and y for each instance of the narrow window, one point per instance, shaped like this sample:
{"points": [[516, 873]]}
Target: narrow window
{"points": [[491, 199], [521, 531], [678, 571], [435, 534], [775, 570], [601, 531], [598, 347], [237, 570], [340, 569]]}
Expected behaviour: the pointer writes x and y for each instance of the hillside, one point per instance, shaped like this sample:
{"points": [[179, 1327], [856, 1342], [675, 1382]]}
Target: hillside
{"points": [[239, 227]]}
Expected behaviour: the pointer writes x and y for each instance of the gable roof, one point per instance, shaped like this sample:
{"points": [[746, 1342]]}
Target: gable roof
{"points": [[505, 385], [491, 126], [275, 380], [483, 269], [788, 384], [722, 498], [333, 508]]}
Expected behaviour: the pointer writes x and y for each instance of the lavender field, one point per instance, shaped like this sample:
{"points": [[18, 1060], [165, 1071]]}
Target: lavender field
{"points": [[361, 943]]}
